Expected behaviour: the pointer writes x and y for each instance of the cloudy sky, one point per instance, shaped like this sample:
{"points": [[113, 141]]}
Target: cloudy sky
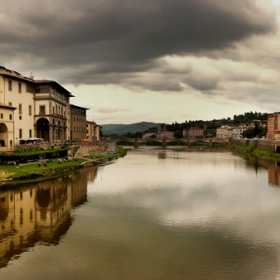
{"points": [[149, 60]]}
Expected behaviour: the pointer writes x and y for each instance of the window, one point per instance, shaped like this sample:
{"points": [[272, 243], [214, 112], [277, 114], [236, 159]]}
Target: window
{"points": [[2, 116], [10, 104], [19, 87], [42, 109], [20, 108], [10, 116], [30, 110], [20, 117], [10, 85], [20, 133], [30, 133]]}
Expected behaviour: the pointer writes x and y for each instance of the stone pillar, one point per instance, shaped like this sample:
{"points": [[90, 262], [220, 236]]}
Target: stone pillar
{"points": [[136, 143], [210, 145]]}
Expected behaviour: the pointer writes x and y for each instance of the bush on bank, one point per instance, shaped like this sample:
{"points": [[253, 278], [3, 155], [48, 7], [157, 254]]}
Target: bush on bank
{"points": [[32, 155]]}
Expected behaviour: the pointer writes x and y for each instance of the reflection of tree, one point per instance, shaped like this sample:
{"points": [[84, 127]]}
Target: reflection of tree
{"points": [[161, 155], [41, 213], [272, 167]]}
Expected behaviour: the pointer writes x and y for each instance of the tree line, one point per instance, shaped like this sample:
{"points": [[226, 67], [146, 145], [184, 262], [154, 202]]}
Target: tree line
{"points": [[209, 126]]}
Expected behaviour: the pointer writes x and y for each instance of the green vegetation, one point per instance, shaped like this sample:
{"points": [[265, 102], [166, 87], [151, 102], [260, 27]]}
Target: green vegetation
{"points": [[32, 155], [45, 169], [256, 131], [121, 151], [36, 170], [121, 129], [125, 143], [249, 149]]}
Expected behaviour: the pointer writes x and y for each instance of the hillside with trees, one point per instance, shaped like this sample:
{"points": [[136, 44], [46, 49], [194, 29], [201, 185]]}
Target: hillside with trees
{"points": [[136, 130]]}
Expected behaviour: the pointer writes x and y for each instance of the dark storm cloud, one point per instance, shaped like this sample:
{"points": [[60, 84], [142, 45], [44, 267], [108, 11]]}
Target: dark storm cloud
{"points": [[85, 40]]}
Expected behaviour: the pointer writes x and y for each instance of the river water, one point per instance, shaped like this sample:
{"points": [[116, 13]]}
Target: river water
{"points": [[154, 214]]}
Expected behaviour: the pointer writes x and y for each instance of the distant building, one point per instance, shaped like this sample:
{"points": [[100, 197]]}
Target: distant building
{"points": [[226, 131], [193, 132], [259, 123], [149, 135], [223, 132], [93, 131], [161, 127], [272, 126], [166, 134], [237, 131]]}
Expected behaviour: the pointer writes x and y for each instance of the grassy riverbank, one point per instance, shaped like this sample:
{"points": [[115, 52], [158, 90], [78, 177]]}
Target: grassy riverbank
{"points": [[249, 149], [42, 170]]}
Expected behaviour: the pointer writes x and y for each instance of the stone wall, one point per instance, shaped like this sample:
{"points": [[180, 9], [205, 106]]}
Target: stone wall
{"points": [[258, 144], [87, 148]]}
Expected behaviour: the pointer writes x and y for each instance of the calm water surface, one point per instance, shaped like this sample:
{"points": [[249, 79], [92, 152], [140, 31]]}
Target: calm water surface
{"points": [[155, 214]]}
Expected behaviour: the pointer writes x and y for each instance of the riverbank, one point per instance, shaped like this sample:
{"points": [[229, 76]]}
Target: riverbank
{"points": [[249, 149], [43, 170]]}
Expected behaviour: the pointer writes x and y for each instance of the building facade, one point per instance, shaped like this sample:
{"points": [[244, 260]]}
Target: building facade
{"points": [[18, 91], [6, 128], [38, 108], [93, 131], [193, 132], [226, 131], [52, 111], [272, 126], [78, 122]]}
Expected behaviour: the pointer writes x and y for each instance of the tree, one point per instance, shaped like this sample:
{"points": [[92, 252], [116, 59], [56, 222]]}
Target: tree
{"points": [[178, 134]]}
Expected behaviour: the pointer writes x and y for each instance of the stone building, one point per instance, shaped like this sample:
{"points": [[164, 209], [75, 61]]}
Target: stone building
{"points": [[193, 132], [93, 131], [78, 122], [52, 111]]}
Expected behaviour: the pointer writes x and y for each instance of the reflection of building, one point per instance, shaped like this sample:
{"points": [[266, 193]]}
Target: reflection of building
{"points": [[274, 174], [39, 214]]}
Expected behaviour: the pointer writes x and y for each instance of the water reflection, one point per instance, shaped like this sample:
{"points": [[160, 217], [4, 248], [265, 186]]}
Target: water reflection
{"points": [[155, 214], [40, 213], [257, 163]]}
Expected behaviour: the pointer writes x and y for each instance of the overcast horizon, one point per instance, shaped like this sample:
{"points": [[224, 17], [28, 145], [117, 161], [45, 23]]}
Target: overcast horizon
{"points": [[155, 61]]}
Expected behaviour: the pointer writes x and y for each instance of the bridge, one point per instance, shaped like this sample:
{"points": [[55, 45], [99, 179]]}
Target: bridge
{"points": [[167, 141]]}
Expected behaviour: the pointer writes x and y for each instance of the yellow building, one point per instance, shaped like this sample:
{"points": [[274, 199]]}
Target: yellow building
{"points": [[6, 128]]}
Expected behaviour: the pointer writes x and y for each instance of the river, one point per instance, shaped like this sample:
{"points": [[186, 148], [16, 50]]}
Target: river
{"points": [[154, 214]]}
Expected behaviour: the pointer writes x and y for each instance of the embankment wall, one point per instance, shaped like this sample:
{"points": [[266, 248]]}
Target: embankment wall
{"points": [[258, 144]]}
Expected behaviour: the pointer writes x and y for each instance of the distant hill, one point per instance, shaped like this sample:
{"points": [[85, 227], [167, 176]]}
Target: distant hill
{"points": [[125, 128]]}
